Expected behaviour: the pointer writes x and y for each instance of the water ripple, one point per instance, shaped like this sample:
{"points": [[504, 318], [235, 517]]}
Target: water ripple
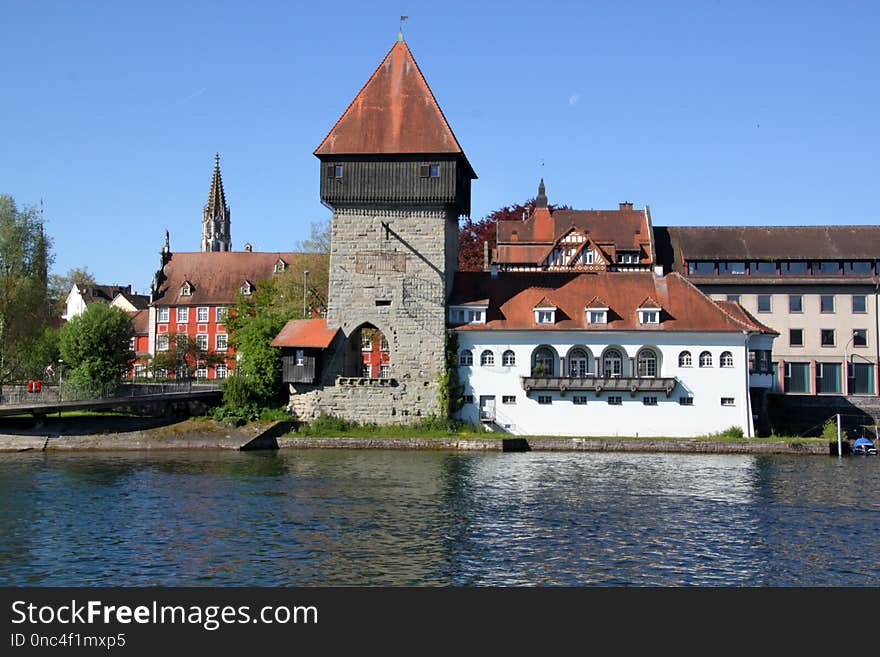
{"points": [[341, 517]]}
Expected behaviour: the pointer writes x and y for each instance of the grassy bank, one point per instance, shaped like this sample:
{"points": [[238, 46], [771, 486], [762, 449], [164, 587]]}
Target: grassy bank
{"points": [[333, 427]]}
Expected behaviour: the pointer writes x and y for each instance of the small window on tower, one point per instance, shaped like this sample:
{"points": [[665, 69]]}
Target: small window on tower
{"points": [[429, 171], [334, 171]]}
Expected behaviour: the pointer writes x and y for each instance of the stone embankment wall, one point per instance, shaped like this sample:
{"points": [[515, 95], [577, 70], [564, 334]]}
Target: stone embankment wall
{"points": [[560, 445], [368, 400]]}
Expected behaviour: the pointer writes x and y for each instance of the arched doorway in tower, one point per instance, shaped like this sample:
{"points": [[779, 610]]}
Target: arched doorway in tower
{"points": [[369, 353]]}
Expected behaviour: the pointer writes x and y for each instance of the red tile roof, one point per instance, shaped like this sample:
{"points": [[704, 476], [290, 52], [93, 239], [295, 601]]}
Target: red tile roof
{"points": [[216, 277], [310, 333], [514, 296], [395, 112], [530, 241]]}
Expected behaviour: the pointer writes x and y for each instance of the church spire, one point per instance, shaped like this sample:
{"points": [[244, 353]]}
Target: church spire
{"points": [[541, 198], [216, 215]]}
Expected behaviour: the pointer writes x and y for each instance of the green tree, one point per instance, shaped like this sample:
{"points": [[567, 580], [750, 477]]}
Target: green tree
{"points": [[42, 351], [259, 362], [185, 356], [290, 285], [95, 345], [24, 260]]}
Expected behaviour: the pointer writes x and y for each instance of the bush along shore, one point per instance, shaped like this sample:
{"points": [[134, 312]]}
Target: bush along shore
{"points": [[222, 430]]}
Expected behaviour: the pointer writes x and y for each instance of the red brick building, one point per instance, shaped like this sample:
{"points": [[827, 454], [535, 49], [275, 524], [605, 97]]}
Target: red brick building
{"points": [[193, 295]]}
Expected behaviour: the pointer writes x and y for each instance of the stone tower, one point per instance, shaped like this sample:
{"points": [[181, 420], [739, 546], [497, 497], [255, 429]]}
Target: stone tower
{"points": [[216, 217], [397, 181]]}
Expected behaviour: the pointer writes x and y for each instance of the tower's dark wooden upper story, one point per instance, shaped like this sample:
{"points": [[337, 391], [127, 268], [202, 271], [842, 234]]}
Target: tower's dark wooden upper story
{"points": [[393, 146]]}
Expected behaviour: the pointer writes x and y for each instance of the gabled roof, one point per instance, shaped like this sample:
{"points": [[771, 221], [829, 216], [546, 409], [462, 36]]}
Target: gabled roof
{"points": [[531, 240], [513, 297], [216, 276], [102, 293], [394, 113], [597, 303], [545, 303], [141, 321], [306, 333], [648, 302]]}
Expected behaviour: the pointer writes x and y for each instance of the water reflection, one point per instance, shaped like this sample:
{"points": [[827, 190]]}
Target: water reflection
{"points": [[340, 517]]}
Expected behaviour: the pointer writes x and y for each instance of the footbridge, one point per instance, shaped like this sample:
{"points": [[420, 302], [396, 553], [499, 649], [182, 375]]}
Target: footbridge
{"points": [[160, 398]]}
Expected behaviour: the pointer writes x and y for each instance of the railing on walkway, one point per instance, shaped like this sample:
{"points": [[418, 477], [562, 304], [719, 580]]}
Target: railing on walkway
{"points": [[18, 395]]}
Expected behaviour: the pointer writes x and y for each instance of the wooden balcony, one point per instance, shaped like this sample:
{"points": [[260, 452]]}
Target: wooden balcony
{"points": [[599, 384]]}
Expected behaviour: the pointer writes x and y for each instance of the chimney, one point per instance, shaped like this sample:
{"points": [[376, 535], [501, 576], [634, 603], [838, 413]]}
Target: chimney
{"points": [[626, 205], [485, 255]]}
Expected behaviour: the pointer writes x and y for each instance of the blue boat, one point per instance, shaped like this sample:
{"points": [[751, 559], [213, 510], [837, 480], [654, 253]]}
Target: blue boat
{"points": [[864, 446]]}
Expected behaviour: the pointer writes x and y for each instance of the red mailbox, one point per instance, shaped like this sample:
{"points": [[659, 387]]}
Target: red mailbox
{"points": [[34, 386]]}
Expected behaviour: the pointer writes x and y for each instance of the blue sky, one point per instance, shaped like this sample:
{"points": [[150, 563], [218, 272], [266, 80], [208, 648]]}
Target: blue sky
{"points": [[714, 112]]}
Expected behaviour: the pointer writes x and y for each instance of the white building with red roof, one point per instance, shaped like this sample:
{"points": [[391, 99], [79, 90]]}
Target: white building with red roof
{"points": [[604, 354]]}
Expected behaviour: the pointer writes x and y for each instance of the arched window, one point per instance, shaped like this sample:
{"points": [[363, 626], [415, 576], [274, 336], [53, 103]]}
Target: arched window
{"points": [[487, 358], [578, 363], [647, 363], [684, 359], [726, 359], [466, 358], [543, 365], [508, 358], [612, 363], [705, 359]]}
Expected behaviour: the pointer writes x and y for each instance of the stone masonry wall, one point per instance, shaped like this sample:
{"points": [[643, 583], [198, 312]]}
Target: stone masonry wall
{"points": [[370, 402], [395, 279]]}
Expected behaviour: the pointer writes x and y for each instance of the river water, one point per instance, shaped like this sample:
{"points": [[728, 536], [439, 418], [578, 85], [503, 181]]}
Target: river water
{"points": [[364, 517]]}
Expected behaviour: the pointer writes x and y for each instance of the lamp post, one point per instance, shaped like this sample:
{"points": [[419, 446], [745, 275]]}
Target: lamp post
{"points": [[60, 379], [305, 291]]}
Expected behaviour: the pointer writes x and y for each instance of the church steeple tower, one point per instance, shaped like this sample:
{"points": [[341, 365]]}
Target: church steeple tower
{"points": [[216, 216]]}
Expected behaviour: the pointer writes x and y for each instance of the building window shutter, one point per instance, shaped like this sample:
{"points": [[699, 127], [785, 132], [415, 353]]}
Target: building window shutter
{"points": [[424, 171]]}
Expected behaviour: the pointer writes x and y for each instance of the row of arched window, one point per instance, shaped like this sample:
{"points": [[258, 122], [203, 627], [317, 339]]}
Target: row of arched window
{"points": [[685, 359], [487, 358], [579, 361]]}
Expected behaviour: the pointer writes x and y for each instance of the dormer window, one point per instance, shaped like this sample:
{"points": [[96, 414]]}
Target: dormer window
{"points": [[186, 290], [467, 314], [247, 289], [545, 315], [649, 315], [597, 315], [280, 266]]}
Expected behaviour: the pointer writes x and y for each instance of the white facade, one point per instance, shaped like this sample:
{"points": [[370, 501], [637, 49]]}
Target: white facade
{"points": [[75, 304], [719, 391]]}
